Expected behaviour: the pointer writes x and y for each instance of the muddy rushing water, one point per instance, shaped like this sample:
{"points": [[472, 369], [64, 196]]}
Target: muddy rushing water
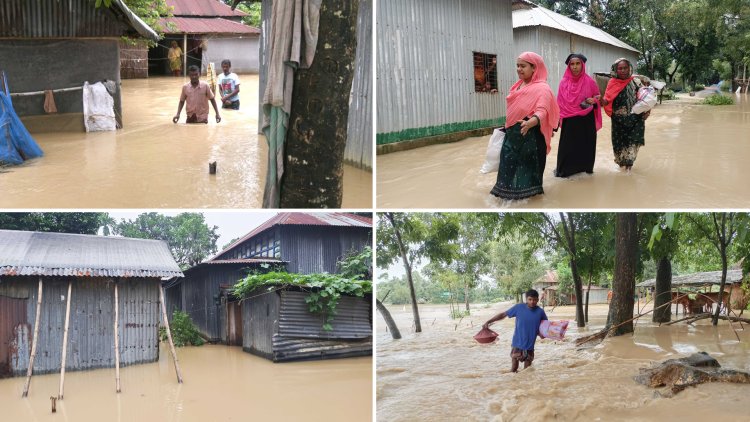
{"points": [[220, 384], [153, 163], [443, 374], [693, 157]]}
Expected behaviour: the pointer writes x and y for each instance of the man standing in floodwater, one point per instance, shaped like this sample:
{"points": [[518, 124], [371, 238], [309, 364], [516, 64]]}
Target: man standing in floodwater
{"points": [[197, 94], [528, 317], [229, 85]]}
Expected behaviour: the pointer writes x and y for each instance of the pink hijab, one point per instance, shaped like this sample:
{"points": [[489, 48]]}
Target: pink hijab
{"points": [[535, 98], [574, 90]]}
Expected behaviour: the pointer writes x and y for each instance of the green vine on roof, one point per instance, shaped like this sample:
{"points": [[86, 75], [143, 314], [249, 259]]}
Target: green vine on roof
{"points": [[324, 290]]}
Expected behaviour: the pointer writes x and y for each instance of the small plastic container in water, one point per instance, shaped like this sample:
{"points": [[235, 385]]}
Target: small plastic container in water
{"points": [[485, 336]]}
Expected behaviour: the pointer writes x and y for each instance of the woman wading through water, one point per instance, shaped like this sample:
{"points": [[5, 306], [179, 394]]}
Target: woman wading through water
{"points": [[532, 115]]}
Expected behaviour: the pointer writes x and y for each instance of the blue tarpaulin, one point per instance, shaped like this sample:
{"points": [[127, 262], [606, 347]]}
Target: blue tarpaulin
{"points": [[16, 143]]}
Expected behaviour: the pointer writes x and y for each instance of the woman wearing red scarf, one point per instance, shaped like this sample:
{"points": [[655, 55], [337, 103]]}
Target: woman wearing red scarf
{"points": [[578, 97], [532, 114], [628, 129]]}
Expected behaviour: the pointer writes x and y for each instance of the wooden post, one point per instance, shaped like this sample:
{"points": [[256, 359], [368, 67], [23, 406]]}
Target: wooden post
{"points": [[117, 341], [169, 334], [34, 340], [184, 54], [65, 342]]}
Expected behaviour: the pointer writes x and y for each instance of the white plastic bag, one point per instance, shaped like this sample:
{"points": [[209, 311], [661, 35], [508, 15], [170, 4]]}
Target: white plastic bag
{"points": [[492, 159], [553, 329], [646, 100], [98, 108]]}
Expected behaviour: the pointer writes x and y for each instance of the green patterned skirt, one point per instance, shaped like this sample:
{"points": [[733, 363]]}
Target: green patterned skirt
{"points": [[522, 161]]}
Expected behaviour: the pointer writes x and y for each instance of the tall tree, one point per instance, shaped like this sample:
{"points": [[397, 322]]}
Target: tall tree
{"points": [[62, 222], [662, 246], [623, 286], [190, 239], [722, 230]]}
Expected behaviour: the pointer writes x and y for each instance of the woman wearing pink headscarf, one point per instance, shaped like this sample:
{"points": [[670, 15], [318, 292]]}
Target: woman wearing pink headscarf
{"points": [[532, 114], [578, 98]]}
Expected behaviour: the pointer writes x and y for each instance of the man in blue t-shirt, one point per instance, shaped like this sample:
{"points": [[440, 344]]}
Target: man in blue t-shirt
{"points": [[528, 317]]}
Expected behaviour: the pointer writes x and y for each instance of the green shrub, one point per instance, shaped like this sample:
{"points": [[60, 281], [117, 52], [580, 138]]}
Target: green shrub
{"points": [[457, 313], [699, 87], [718, 99], [726, 86], [183, 330], [668, 94]]}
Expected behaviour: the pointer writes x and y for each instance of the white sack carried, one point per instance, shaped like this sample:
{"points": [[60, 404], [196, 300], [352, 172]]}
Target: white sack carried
{"points": [[98, 108], [492, 159], [646, 100], [553, 329]]}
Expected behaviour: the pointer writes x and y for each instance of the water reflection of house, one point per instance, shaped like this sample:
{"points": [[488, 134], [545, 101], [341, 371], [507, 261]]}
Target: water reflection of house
{"points": [[92, 265], [276, 324], [550, 293], [58, 45], [208, 31]]}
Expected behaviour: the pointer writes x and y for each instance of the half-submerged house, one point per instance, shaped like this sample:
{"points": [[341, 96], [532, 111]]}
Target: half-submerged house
{"points": [[272, 323], [47, 273]]}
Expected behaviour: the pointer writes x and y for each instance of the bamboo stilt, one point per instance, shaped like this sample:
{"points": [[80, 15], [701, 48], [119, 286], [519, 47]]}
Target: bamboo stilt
{"points": [[65, 342], [169, 334], [34, 340], [117, 341]]}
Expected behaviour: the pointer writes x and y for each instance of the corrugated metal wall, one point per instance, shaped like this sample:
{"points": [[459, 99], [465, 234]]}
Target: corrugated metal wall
{"points": [[425, 72], [198, 290], [596, 296], [243, 52], [315, 250], [359, 132], [555, 46], [91, 330], [265, 29], [352, 321], [58, 19], [259, 316]]}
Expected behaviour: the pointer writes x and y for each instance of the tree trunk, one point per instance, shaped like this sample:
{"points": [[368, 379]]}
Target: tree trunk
{"points": [[662, 293], [395, 333], [623, 286], [466, 296], [580, 318], [407, 267], [588, 290], [316, 138], [715, 319]]}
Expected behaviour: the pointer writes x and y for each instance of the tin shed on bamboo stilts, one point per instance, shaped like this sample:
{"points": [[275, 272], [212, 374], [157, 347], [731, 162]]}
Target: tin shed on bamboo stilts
{"points": [[82, 270]]}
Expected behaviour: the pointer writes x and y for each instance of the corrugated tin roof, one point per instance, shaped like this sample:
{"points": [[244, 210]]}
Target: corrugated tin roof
{"points": [[69, 19], [304, 219], [63, 254], [202, 8], [699, 279], [206, 26], [539, 16]]}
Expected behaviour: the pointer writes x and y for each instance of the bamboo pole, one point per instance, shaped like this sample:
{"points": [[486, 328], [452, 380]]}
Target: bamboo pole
{"points": [[34, 340], [169, 334], [65, 342], [117, 341]]}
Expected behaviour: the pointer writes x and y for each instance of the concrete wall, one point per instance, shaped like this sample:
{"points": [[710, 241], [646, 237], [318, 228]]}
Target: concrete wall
{"points": [[91, 328], [36, 65], [243, 52]]}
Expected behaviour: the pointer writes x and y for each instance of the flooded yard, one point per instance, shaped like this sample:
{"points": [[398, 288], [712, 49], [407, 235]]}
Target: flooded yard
{"points": [[153, 163], [693, 158], [221, 383], [443, 374]]}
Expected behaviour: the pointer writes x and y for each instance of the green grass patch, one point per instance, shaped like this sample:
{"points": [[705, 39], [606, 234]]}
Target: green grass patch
{"points": [[718, 99]]}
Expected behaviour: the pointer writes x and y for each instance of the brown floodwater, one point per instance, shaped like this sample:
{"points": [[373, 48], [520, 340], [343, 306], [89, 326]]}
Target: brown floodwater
{"points": [[220, 384], [443, 374], [153, 163], [694, 157]]}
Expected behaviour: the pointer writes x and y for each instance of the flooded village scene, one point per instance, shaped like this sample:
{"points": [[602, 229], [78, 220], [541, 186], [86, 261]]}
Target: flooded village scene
{"points": [[435, 127], [145, 316], [636, 327], [96, 111]]}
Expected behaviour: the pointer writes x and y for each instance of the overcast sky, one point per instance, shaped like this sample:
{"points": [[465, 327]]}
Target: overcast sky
{"points": [[232, 224]]}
